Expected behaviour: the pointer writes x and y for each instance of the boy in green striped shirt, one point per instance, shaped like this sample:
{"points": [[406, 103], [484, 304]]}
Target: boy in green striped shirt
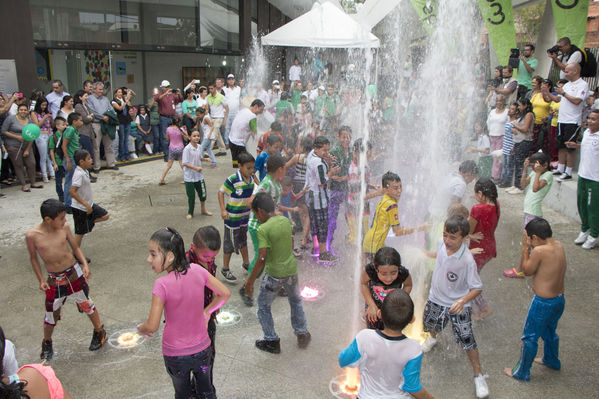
{"points": [[239, 187]]}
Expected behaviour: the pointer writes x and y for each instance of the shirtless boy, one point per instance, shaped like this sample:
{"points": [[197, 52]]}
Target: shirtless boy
{"points": [[66, 278], [547, 266]]}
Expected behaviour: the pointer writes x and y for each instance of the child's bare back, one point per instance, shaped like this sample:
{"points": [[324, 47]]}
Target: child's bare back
{"points": [[51, 244], [549, 263]]}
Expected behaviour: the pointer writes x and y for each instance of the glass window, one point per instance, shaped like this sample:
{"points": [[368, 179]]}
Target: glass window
{"points": [[171, 24], [219, 24]]}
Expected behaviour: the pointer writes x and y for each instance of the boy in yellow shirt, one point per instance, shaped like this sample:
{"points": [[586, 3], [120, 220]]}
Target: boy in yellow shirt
{"points": [[386, 217]]}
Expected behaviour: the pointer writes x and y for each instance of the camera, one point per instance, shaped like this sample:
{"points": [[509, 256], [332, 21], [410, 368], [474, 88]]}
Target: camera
{"points": [[514, 60], [553, 50]]}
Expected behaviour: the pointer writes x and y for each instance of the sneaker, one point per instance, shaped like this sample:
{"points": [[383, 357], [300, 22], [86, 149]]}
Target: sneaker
{"points": [[427, 345], [303, 340], [246, 266], [228, 275], [47, 351], [515, 191], [148, 149], [582, 237], [245, 298], [93, 178], [480, 383], [557, 172], [327, 257], [590, 242], [114, 167], [269, 346], [97, 340], [212, 165], [507, 190], [220, 154], [503, 184], [134, 156], [564, 177]]}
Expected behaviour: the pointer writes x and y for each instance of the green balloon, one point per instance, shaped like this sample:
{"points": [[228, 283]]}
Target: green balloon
{"points": [[31, 131]]}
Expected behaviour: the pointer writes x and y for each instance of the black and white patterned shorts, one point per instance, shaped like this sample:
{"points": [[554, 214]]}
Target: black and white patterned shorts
{"points": [[319, 221], [234, 239], [436, 317]]}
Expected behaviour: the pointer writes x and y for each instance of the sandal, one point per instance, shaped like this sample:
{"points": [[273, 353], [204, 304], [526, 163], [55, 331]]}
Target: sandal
{"points": [[40, 186], [161, 183], [513, 273]]}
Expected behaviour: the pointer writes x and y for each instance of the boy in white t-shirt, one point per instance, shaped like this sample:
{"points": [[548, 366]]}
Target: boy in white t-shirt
{"points": [[388, 361], [85, 213], [454, 284]]}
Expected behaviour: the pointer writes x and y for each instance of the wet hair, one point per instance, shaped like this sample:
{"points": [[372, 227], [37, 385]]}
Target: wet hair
{"points": [[388, 178], [290, 141], [169, 240], [80, 155], [469, 166], [307, 144], [73, 116], [207, 237], [77, 98], [64, 100], [457, 209], [488, 189], [457, 224], [526, 102], [397, 310], [344, 128], [276, 126], [245, 157], [321, 141], [52, 208], [387, 256], [263, 201], [273, 139], [257, 102], [38, 105], [274, 163], [12, 390], [541, 157], [359, 145], [287, 181], [540, 228]]}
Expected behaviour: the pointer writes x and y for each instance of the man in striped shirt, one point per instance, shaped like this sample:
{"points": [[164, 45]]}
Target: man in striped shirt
{"points": [[239, 187]]}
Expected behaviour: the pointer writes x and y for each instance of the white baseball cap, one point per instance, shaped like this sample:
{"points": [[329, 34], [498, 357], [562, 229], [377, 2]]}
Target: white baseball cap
{"points": [[230, 76], [165, 83], [275, 82], [321, 88]]}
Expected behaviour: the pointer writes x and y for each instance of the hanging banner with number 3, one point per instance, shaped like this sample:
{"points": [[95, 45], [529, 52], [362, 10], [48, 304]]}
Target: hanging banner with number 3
{"points": [[570, 17], [499, 20]]}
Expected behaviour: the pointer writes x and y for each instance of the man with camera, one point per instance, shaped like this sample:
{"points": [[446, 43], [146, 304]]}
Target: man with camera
{"points": [[166, 99], [526, 69], [569, 54], [509, 88]]}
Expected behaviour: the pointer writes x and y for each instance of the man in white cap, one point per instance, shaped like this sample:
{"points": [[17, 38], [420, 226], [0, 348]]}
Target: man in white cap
{"points": [[233, 100], [311, 93], [274, 95], [167, 99]]}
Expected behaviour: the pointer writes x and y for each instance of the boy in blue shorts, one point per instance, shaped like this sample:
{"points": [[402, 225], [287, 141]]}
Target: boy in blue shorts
{"points": [[236, 213], [454, 284], [388, 361]]}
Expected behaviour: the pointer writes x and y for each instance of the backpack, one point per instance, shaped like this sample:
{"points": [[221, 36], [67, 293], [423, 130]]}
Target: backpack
{"points": [[588, 64], [58, 146]]}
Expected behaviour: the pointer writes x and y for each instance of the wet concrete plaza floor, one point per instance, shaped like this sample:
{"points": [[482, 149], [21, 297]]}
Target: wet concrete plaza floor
{"points": [[121, 286]]}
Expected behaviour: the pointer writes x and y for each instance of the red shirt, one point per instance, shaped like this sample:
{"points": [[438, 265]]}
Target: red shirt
{"points": [[166, 104], [261, 146], [487, 217]]}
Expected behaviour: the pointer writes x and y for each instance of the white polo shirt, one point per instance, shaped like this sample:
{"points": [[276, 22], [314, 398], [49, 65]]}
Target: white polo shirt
{"points": [[589, 156], [242, 127], [454, 276], [568, 111]]}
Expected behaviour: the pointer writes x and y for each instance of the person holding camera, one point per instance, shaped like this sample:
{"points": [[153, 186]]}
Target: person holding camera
{"points": [[166, 99], [526, 69], [569, 54]]}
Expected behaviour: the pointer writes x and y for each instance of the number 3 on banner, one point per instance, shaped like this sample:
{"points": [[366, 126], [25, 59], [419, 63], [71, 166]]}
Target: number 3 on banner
{"points": [[564, 6], [498, 13]]}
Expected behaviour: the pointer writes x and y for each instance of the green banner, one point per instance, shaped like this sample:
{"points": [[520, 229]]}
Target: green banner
{"points": [[570, 17], [499, 20], [427, 13]]}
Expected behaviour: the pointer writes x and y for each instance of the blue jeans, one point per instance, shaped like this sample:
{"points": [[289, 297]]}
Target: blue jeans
{"points": [[138, 139], [507, 173], [124, 130], [165, 121], [86, 144], [68, 179], [155, 133], [191, 374], [521, 151], [269, 289], [59, 176], [207, 147], [228, 127], [541, 322]]}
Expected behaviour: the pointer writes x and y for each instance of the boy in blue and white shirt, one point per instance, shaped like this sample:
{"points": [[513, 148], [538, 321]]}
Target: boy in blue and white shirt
{"points": [[388, 361]]}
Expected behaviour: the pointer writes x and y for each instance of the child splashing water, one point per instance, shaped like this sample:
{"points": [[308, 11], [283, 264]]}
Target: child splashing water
{"points": [[180, 294], [483, 219]]}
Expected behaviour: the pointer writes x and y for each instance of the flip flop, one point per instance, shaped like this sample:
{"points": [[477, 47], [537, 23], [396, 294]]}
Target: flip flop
{"points": [[513, 273], [40, 186]]}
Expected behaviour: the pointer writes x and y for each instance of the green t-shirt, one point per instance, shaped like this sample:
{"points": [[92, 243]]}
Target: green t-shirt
{"points": [[283, 106], [525, 77], [296, 97], [271, 187], [72, 135], [189, 107], [275, 235], [532, 200], [154, 115], [343, 160], [52, 146]]}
